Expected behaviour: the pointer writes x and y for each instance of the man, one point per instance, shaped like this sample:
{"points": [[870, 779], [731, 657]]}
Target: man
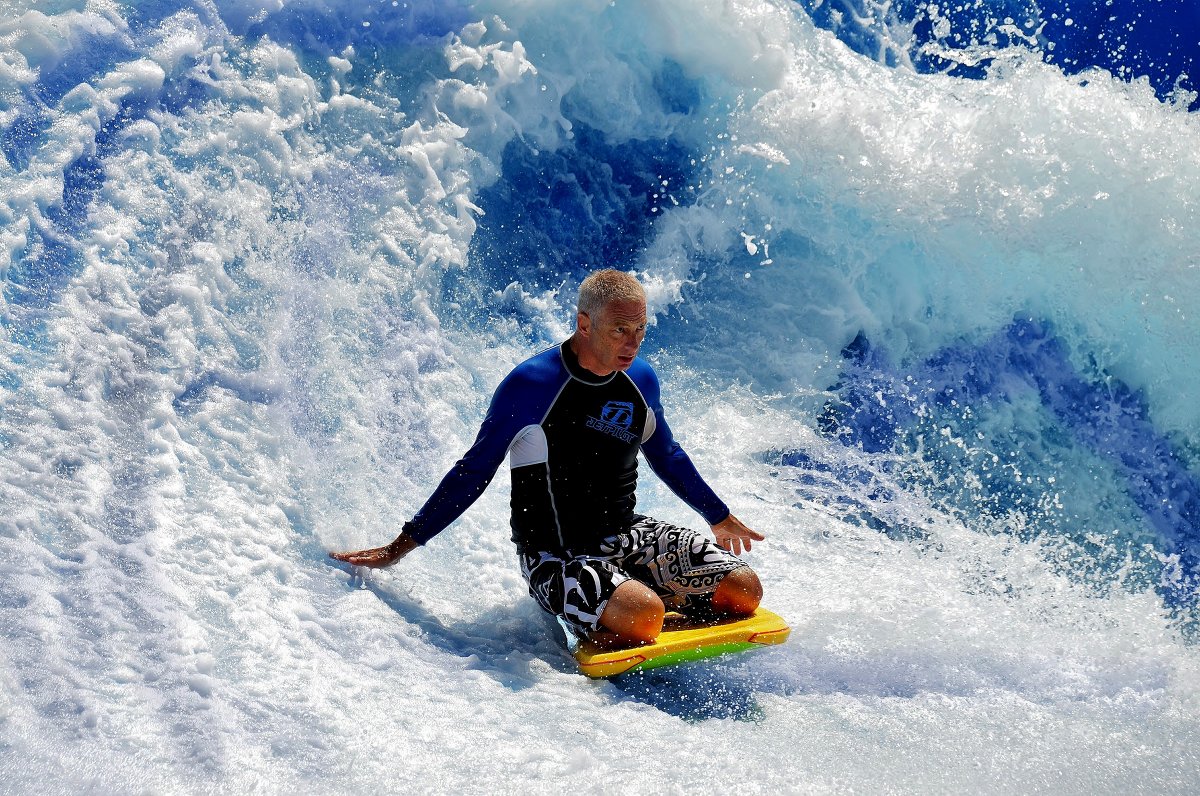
{"points": [[572, 420]]}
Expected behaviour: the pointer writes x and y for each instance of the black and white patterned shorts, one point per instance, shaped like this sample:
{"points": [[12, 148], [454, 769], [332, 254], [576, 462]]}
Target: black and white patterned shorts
{"points": [[682, 566]]}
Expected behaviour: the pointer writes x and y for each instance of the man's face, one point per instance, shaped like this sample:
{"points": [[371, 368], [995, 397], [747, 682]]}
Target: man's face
{"points": [[611, 340]]}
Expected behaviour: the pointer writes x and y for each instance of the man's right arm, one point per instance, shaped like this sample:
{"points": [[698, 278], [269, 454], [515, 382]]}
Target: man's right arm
{"points": [[509, 412], [457, 491], [379, 557], [471, 474]]}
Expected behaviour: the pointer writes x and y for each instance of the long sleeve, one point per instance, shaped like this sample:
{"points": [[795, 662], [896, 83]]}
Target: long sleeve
{"points": [[670, 462], [467, 480], [519, 401]]}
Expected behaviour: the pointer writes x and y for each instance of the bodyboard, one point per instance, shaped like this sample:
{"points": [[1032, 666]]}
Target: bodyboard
{"points": [[682, 640]]}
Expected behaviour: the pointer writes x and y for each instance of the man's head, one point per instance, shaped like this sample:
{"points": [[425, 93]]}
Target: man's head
{"points": [[611, 321]]}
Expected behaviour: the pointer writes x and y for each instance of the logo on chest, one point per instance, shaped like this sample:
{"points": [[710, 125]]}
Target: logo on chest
{"points": [[615, 420]]}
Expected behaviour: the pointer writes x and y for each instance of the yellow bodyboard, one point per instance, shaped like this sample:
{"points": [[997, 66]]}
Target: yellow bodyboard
{"points": [[683, 640]]}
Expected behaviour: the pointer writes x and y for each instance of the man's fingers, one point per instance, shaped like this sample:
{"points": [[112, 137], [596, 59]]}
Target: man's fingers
{"points": [[740, 540], [361, 558]]}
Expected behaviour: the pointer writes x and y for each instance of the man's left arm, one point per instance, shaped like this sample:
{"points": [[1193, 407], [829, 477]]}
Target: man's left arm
{"points": [[672, 464]]}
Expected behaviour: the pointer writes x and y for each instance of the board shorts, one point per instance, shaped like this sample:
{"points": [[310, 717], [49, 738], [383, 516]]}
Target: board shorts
{"points": [[681, 566]]}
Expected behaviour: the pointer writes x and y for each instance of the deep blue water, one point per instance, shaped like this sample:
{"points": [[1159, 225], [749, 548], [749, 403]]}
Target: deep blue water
{"points": [[972, 391], [1154, 39]]}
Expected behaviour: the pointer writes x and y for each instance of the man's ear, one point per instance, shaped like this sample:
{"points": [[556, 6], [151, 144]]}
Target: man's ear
{"points": [[583, 323]]}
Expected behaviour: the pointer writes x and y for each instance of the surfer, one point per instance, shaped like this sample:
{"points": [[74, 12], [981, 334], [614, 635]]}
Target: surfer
{"points": [[572, 420]]}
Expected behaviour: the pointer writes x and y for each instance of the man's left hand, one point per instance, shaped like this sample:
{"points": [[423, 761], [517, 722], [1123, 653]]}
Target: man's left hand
{"points": [[733, 535]]}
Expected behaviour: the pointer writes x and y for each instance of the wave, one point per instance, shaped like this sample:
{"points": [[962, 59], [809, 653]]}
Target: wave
{"points": [[921, 287]]}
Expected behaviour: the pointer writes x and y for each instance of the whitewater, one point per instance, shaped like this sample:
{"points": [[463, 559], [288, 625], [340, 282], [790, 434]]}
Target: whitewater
{"points": [[923, 284]]}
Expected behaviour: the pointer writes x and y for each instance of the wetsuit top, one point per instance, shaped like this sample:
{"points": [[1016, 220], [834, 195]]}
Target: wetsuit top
{"points": [[572, 438]]}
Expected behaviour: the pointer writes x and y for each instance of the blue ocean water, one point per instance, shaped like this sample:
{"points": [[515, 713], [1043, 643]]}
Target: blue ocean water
{"points": [[921, 278]]}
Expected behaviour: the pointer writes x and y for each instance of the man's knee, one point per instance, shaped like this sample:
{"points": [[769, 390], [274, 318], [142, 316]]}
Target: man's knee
{"points": [[739, 592], [634, 613]]}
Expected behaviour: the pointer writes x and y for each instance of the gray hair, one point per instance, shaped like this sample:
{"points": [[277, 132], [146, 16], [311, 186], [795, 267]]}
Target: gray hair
{"points": [[603, 287]]}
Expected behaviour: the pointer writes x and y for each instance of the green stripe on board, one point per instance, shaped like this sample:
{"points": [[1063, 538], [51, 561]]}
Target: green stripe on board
{"points": [[700, 653]]}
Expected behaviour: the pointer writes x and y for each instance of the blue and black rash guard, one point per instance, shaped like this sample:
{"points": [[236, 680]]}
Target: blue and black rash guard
{"points": [[572, 438]]}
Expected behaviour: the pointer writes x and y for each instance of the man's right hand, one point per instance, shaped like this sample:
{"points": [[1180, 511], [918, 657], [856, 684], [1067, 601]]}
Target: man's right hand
{"points": [[379, 557]]}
